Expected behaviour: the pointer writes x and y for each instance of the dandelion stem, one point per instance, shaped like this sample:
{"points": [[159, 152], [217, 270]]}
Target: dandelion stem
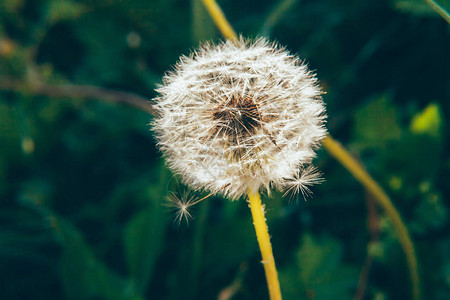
{"points": [[340, 154], [262, 234]]}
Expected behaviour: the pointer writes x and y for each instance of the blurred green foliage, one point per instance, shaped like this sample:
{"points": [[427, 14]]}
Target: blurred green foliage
{"points": [[82, 184]]}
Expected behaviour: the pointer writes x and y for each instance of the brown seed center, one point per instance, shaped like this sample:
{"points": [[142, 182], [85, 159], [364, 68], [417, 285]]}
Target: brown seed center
{"points": [[237, 118]]}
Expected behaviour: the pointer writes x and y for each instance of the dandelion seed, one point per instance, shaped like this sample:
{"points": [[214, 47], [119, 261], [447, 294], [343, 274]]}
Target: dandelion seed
{"points": [[301, 182], [181, 204], [242, 115]]}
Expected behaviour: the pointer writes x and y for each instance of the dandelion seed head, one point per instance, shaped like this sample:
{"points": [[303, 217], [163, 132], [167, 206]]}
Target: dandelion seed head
{"points": [[239, 115]]}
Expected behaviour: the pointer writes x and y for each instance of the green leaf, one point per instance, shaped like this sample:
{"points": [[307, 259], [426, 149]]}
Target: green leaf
{"points": [[376, 123], [431, 213], [15, 131], [429, 121], [9, 121], [143, 240], [417, 156], [63, 10], [317, 261], [11, 6], [318, 272], [105, 42], [82, 274], [229, 243]]}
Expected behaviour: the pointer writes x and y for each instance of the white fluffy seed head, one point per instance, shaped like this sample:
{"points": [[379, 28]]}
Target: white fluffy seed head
{"points": [[238, 116]]}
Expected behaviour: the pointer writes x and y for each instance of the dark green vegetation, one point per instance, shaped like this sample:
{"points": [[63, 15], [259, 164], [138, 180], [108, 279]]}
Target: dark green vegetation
{"points": [[82, 184]]}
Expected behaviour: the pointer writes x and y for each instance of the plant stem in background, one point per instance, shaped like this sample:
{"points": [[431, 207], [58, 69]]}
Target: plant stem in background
{"points": [[439, 9], [262, 234], [220, 20], [340, 154], [277, 13], [373, 225], [77, 91], [344, 157], [228, 292]]}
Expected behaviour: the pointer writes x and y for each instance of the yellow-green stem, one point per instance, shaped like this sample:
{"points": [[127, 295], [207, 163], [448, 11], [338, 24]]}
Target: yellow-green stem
{"points": [[357, 170], [262, 234], [219, 19]]}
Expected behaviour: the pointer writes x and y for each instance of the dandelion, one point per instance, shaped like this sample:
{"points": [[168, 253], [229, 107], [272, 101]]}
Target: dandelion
{"points": [[240, 116]]}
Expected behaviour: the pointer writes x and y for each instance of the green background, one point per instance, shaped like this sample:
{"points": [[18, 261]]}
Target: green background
{"points": [[83, 186]]}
